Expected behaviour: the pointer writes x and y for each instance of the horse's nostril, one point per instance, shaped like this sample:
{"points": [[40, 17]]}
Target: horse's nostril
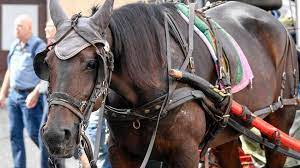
{"points": [[67, 134]]}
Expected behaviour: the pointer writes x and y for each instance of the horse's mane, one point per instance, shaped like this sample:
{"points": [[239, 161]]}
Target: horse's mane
{"points": [[137, 30]]}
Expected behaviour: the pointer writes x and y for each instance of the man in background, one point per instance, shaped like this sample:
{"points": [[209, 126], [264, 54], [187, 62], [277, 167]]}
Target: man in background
{"points": [[21, 88]]}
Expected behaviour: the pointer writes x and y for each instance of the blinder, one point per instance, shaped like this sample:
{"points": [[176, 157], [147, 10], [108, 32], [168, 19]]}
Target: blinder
{"points": [[40, 66]]}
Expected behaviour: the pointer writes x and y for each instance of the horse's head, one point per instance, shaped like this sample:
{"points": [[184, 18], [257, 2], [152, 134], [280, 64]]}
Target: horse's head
{"points": [[78, 70]]}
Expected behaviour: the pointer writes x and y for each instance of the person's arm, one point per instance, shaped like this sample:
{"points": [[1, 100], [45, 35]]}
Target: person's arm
{"points": [[4, 89], [84, 161], [33, 96]]}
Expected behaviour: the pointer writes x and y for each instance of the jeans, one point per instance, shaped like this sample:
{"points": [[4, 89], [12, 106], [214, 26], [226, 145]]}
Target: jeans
{"points": [[103, 160], [44, 152], [21, 117]]}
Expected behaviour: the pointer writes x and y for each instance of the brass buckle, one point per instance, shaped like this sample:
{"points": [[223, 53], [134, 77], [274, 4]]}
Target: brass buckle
{"points": [[222, 92], [83, 106]]}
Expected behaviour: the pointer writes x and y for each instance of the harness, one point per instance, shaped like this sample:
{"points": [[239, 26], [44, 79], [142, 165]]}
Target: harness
{"points": [[81, 108], [217, 109], [158, 108]]}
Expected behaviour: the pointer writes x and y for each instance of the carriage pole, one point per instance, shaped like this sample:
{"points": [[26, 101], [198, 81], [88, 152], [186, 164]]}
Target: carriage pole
{"points": [[237, 109], [266, 128]]}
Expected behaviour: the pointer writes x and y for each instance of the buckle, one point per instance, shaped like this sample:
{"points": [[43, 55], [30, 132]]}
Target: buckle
{"points": [[192, 64], [83, 106], [75, 18], [221, 92]]}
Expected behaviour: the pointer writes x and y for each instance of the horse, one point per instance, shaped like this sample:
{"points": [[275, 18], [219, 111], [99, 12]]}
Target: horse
{"points": [[126, 50]]}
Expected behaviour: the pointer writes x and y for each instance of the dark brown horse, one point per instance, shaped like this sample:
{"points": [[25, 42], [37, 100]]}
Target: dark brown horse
{"points": [[136, 36]]}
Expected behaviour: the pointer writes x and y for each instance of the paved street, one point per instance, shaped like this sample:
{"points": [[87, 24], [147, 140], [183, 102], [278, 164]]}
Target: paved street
{"points": [[32, 152]]}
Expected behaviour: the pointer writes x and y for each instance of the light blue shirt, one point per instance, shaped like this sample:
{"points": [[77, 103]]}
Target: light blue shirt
{"points": [[20, 63]]}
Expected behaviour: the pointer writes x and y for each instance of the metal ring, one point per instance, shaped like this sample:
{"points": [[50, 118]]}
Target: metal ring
{"points": [[271, 108], [280, 100], [136, 124]]}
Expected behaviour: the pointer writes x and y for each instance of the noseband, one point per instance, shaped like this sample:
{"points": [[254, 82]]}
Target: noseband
{"points": [[82, 109]]}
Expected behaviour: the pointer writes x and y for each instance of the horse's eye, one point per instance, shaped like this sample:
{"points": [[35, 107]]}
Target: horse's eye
{"points": [[91, 65]]}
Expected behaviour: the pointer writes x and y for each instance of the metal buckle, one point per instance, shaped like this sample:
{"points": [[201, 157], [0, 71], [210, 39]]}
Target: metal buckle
{"points": [[81, 131], [222, 92], [102, 90], [284, 76], [192, 64], [106, 46], [51, 162], [75, 18], [83, 106], [280, 100]]}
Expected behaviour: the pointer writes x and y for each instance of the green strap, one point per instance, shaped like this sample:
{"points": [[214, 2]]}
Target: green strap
{"points": [[202, 26]]}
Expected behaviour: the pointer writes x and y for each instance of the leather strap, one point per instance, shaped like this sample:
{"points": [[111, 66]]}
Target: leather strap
{"points": [[290, 102], [88, 150], [189, 58], [183, 95], [245, 131], [68, 106], [67, 98], [171, 86], [262, 113], [275, 106], [150, 147]]}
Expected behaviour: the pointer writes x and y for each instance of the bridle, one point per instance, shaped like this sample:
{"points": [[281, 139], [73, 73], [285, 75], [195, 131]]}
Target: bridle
{"points": [[81, 109]]}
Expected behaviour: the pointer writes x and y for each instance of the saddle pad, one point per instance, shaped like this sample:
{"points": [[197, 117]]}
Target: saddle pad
{"points": [[240, 72]]}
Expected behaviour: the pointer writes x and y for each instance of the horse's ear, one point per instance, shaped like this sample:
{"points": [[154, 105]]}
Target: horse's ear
{"points": [[57, 13], [102, 16]]}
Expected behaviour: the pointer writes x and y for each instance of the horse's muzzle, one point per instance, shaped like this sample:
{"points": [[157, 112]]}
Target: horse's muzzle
{"points": [[58, 141]]}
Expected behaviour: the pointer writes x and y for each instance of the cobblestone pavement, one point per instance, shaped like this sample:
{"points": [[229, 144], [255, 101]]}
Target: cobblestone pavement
{"points": [[32, 152]]}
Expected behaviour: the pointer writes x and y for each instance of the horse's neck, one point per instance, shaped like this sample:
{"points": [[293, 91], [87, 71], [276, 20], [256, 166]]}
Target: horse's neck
{"points": [[119, 85], [126, 88], [123, 88]]}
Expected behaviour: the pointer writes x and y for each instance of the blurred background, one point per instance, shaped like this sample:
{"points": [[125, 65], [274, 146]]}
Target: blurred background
{"points": [[39, 12]]}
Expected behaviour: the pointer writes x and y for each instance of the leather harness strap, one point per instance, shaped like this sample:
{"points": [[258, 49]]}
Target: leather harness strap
{"points": [[169, 21], [180, 96], [68, 106], [282, 101], [245, 131], [171, 84]]}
